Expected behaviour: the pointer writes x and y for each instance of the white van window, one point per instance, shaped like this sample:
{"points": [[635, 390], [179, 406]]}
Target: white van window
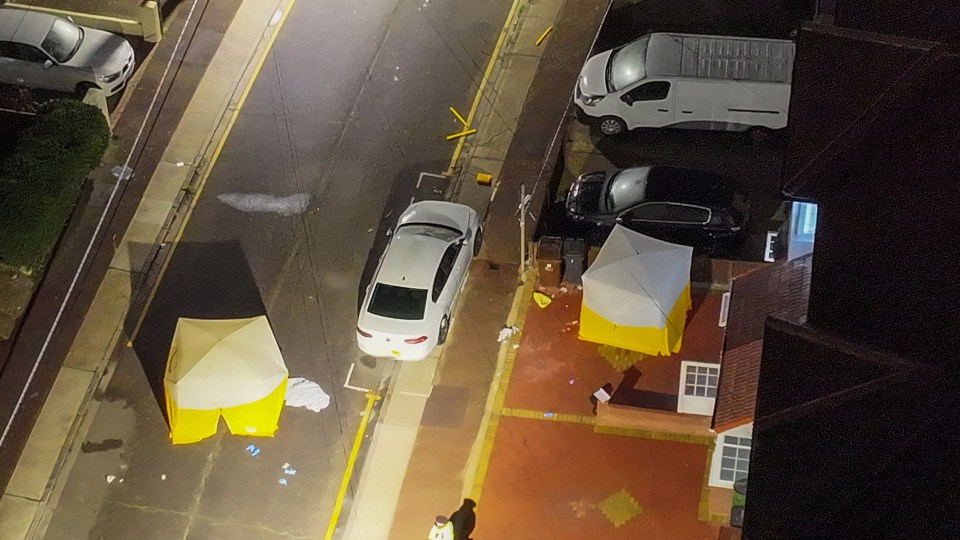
{"points": [[63, 40], [626, 188], [627, 65]]}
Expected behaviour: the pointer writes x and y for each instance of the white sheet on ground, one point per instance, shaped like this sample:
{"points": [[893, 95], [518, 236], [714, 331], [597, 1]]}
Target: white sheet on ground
{"points": [[304, 393]]}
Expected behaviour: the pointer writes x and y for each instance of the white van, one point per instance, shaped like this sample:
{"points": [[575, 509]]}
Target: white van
{"points": [[689, 81]]}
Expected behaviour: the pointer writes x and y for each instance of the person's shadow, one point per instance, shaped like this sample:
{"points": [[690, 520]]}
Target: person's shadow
{"points": [[464, 520]]}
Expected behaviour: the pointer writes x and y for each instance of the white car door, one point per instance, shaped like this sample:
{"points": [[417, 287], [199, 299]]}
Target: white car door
{"points": [[649, 104]]}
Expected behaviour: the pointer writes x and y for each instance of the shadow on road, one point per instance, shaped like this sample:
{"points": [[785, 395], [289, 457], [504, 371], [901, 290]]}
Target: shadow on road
{"points": [[202, 281]]}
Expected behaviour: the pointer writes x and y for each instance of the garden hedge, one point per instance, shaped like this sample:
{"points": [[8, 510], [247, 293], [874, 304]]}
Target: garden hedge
{"points": [[42, 179]]}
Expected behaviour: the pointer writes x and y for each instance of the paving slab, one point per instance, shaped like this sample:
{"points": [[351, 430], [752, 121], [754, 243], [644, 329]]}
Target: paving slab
{"points": [[563, 480]]}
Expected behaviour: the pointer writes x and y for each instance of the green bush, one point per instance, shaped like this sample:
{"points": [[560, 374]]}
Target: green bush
{"points": [[41, 180]]}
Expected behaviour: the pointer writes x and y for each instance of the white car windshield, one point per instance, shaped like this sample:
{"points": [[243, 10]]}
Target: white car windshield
{"points": [[627, 65], [431, 231], [626, 188], [63, 40]]}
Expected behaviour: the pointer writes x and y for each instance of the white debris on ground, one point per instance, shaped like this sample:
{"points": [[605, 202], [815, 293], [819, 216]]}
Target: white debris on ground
{"points": [[506, 332], [307, 394], [259, 202]]}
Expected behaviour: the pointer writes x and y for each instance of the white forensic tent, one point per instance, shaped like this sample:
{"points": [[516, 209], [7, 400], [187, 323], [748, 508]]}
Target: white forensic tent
{"points": [[231, 368], [636, 294]]}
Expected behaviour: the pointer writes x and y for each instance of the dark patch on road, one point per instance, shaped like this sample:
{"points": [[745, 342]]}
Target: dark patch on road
{"points": [[90, 447]]}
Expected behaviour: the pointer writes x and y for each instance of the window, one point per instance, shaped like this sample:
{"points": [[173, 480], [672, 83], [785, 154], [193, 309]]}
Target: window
{"points": [[651, 91], [395, 302], [805, 220], [20, 51], [701, 381], [63, 40], [627, 65], [444, 269], [646, 212], [685, 213], [7, 50], [735, 458]]}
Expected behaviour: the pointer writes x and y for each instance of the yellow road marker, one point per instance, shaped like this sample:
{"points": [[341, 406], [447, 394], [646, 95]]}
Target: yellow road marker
{"points": [[544, 35], [206, 173], [345, 483], [461, 135], [460, 118], [483, 83]]}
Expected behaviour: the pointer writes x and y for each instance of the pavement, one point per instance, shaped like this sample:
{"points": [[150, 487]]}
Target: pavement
{"points": [[475, 420]]}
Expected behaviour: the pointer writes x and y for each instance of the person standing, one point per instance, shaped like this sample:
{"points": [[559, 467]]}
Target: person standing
{"points": [[442, 529]]}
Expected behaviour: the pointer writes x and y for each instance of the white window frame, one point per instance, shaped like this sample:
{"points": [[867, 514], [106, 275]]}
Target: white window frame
{"points": [[692, 403], [740, 433]]}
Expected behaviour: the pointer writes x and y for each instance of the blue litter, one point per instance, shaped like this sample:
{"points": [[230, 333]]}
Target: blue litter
{"points": [[253, 450], [282, 481], [548, 414]]}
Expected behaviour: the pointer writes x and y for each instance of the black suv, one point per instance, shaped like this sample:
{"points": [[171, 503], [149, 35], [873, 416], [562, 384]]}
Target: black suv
{"points": [[677, 205]]}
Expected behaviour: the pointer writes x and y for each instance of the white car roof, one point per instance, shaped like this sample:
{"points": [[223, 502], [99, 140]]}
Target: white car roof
{"points": [[412, 258], [23, 26]]}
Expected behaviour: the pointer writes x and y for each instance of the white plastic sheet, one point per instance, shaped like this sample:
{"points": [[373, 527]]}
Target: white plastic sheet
{"points": [[307, 394]]}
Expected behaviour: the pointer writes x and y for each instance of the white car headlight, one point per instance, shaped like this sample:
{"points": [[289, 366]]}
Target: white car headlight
{"points": [[590, 100], [109, 78]]}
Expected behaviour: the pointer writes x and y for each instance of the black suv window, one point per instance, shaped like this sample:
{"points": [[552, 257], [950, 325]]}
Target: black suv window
{"points": [[666, 212], [685, 213], [653, 211], [445, 269], [651, 91]]}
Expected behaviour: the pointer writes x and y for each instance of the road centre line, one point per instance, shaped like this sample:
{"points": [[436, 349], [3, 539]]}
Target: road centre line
{"points": [[202, 182], [483, 83], [100, 222]]}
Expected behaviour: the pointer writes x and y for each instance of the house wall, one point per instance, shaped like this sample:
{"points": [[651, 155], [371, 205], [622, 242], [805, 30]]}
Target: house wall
{"points": [[745, 430]]}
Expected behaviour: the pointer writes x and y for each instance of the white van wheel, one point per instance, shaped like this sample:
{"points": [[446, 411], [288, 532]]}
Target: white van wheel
{"points": [[611, 125]]}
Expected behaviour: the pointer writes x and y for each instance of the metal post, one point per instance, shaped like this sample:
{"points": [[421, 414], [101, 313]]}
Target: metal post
{"points": [[523, 228]]}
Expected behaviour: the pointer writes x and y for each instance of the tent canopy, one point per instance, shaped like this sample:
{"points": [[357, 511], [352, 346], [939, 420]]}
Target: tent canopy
{"points": [[231, 368], [636, 294]]}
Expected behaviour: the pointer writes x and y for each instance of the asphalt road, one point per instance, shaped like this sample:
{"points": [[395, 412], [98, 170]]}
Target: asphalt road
{"points": [[350, 107]]}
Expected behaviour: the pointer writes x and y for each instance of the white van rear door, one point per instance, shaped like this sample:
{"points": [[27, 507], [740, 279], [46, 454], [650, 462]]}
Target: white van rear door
{"points": [[649, 104]]}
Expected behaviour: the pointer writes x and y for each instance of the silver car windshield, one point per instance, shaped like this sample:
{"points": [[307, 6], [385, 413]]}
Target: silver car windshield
{"points": [[627, 65], [626, 188], [63, 40], [430, 231]]}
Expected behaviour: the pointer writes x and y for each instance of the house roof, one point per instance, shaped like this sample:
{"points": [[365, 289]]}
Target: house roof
{"points": [[781, 289], [854, 99]]}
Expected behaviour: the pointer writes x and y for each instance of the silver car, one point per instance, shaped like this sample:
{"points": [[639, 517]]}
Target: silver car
{"points": [[39, 50], [407, 309]]}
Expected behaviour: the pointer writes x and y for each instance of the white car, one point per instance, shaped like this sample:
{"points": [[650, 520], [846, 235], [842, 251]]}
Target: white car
{"points": [[408, 305], [39, 50]]}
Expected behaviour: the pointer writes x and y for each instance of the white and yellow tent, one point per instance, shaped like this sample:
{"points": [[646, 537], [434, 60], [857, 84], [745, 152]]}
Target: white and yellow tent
{"points": [[230, 368], [636, 294]]}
